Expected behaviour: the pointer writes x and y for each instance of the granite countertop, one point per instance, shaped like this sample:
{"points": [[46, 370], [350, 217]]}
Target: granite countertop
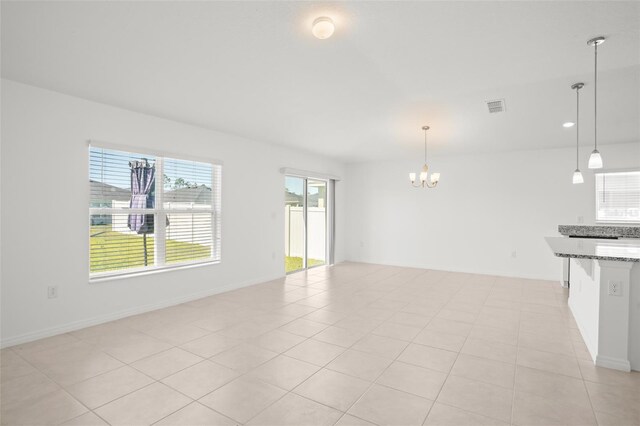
{"points": [[592, 248], [611, 231]]}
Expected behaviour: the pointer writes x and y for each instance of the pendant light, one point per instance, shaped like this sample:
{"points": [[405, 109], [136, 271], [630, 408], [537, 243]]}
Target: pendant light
{"points": [[424, 174], [595, 160], [577, 174]]}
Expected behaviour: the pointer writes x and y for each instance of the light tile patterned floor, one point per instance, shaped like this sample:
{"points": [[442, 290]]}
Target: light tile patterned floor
{"points": [[353, 344]]}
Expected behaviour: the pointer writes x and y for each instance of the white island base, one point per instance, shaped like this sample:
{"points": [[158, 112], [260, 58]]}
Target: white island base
{"points": [[604, 297]]}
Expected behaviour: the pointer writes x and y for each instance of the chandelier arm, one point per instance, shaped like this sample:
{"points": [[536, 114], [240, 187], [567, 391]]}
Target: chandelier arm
{"points": [[431, 186]]}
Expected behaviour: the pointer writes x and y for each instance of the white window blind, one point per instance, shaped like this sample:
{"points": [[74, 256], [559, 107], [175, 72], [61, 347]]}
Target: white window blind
{"points": [[151, 212], [618, 196]]}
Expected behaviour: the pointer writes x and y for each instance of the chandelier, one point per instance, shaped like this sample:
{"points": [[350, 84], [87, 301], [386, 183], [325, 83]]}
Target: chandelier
{"points": [[426, 181]]}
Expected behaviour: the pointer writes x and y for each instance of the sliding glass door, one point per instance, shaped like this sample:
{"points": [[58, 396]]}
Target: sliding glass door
{"points": [[305, 223], [294, 224], [316, 222]]}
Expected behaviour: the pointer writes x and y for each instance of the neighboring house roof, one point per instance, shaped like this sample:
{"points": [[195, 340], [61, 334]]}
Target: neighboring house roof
{"points": [[197, 194], [291, 198], [105, 192], [313, 198], [295, 199]]}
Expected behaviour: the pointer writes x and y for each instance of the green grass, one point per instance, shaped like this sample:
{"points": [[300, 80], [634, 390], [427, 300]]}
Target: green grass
{"points": [[295, 263], [112, 251]]}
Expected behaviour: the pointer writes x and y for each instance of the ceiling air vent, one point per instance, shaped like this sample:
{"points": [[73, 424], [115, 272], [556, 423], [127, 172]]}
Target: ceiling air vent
{"points": [[496, 105]]}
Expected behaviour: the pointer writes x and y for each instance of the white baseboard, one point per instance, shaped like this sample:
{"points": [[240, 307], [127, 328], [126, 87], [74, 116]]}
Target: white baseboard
{"points": [[615, 363], [491, 272], [88, 322]]}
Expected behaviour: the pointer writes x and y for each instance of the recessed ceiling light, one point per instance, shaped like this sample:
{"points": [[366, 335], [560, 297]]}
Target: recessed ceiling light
{"points": [[568, 124], [323, 27]]}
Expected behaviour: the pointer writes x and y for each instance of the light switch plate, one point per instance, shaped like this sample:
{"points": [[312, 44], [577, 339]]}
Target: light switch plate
{"points": [[52, 292]]}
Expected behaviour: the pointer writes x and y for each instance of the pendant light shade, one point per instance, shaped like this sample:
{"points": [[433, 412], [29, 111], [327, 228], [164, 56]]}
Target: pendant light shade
{"points": [[595, 160], [577, 174], [577, 177]]}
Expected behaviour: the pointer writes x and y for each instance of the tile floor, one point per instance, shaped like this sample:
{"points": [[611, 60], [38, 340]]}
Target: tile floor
{"points": [[354, 344]]}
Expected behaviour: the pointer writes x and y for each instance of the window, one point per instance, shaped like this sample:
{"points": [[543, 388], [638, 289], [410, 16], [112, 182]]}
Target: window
{"points": [[618, 196], [150, 212]]}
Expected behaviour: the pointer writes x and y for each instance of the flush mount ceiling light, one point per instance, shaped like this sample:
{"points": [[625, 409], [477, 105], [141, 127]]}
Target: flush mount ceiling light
{"points": [[568, 123], [323, 27], [577, 175], [424, 178], [595, 160]]}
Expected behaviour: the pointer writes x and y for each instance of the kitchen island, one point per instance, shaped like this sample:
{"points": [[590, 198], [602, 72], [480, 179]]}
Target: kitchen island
{"points": [[604, 296]]}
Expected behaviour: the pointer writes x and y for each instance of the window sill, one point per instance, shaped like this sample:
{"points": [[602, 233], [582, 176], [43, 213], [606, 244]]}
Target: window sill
{"points": [[119, 276]]}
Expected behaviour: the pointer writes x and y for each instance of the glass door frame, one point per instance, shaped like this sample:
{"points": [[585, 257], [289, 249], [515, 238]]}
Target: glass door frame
{"points": [[305, 227]]}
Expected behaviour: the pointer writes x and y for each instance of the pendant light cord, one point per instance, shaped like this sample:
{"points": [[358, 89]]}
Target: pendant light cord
{"points": [[595, 100], [577, 126]]}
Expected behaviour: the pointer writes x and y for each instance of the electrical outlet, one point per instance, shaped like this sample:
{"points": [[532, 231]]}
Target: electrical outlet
{"points": [[615, 288], [52, 292], [514, 254], [580, 219]]}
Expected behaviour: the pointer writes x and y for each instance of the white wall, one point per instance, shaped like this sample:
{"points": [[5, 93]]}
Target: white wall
{"points": [[485, 207], [45, 199]]}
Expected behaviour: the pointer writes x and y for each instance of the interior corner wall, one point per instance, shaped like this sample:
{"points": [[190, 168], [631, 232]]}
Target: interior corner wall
{"points": [[45, 200], [489, 214]]}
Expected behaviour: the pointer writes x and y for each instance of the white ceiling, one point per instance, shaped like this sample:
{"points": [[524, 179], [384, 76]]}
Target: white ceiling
{"points": [[254, 69]]}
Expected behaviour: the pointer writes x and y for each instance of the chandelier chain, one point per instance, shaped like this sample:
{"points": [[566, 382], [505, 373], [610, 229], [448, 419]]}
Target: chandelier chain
{"points": [[425, 146]]}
